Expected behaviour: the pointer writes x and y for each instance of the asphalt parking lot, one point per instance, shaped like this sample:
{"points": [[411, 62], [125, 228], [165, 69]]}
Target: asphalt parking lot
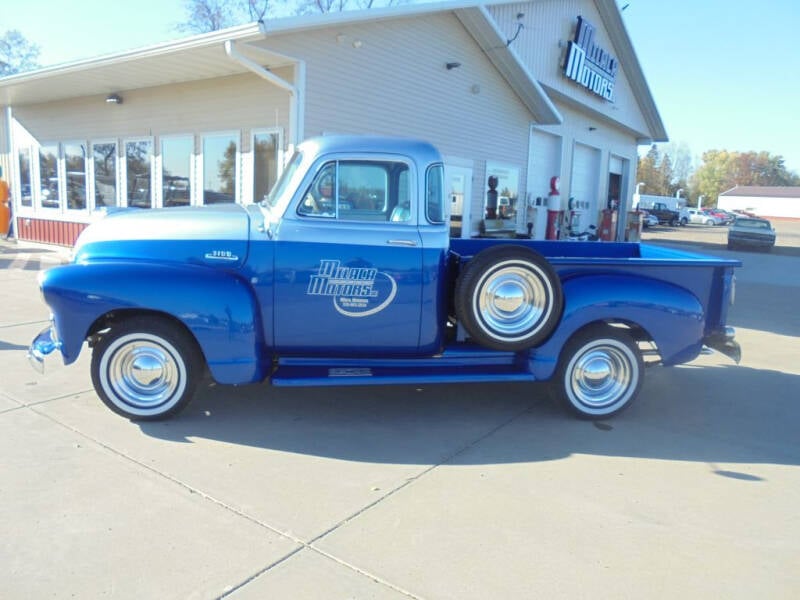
{"points": [[450, 492]]}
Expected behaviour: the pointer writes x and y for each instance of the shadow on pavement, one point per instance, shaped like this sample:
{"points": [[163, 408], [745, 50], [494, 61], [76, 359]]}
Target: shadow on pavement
{"points": [[709, 414]]}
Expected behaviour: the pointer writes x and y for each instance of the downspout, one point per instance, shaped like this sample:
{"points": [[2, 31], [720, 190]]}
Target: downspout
{"points": [[296, 90]]}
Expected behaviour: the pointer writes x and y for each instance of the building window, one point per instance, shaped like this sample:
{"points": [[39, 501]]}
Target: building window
{"points": [[220, 160], [75, 164], [48, 176], [139, 173], [25, 188], [176, 170], [266, 158], [104, 157]]}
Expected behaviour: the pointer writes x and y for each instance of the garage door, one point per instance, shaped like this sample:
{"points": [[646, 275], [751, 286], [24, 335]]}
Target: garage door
{"points": [[544, 162], [585, 177]]}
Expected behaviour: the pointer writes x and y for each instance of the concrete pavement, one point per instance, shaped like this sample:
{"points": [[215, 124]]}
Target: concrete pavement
{"points": [[408, 492]]}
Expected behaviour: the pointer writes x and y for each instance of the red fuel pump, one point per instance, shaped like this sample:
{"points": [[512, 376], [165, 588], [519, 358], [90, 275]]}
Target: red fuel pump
{"points": [[554, 211]]}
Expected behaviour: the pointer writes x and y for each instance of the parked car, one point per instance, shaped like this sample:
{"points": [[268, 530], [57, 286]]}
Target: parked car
{"points": [[751, 232], [723, 215], [665, 214], [700, 217], [648, 220]]}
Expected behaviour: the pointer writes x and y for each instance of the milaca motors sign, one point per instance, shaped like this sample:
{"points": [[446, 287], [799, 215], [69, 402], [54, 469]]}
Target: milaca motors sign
{"points": [[590, 65]]}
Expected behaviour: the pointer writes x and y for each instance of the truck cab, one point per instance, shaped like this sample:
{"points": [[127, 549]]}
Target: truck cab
{"points": [[356, 225]]}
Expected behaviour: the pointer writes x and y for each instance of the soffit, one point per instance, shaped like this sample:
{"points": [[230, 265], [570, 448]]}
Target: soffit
{"points": [[197, 58]]}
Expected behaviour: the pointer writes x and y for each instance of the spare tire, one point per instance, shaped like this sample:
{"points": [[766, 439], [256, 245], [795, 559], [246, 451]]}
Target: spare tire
{"points": [[508, 297]]}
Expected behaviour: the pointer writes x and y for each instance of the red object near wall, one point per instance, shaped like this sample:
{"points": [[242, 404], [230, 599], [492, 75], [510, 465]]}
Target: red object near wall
{"points": [[608, 225], [553, 224], [46, 231]]}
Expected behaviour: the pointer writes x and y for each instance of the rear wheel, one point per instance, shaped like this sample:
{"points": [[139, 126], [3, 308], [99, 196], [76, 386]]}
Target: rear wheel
{"points": [[600, 372], [146, 368], [509, 298]]}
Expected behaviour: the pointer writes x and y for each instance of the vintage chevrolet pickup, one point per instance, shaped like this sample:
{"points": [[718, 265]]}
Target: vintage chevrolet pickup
{"points": [[345, 275]]}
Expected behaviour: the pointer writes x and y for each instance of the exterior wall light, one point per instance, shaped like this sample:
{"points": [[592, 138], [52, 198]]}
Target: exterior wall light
{"points": [[114, 99]]}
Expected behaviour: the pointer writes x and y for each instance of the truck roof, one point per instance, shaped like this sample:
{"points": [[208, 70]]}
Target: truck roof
{"points": [[421, 151]]}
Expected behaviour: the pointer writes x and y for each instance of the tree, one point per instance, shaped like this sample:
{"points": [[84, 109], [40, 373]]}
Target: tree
{"points": [[17, 54], [329, 6], [722, 170], [203, 16]]}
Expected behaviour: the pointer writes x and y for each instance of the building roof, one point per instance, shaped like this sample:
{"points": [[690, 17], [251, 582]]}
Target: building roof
{"points": [[763, 191], [204, 57]]}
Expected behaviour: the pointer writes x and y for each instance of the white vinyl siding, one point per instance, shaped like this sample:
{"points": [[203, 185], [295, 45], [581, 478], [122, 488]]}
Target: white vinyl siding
{"points": [[542, 46], [396, 83]]}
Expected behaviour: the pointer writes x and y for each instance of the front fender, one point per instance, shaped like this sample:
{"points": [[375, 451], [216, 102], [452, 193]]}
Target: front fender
{"points": [[218, 307], [672, 316]]}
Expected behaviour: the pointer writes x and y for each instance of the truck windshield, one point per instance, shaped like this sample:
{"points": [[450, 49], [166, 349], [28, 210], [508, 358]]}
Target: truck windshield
{"points": [[276, 198]]}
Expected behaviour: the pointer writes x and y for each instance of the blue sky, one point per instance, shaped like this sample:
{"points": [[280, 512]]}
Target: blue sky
{"points": [[724, 73]]}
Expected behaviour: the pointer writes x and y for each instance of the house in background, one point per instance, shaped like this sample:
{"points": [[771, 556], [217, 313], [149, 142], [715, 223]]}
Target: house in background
{"points": [[764, 201], [518, 92]]}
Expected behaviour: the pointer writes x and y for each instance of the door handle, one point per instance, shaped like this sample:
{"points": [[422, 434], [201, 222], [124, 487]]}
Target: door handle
{"points": [[401, 242]]}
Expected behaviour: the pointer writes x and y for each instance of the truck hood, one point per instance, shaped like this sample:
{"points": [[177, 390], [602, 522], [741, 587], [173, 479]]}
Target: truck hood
{"points": [[211, 235]]}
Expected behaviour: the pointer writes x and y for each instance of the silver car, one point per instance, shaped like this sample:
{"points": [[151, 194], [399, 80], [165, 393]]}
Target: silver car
{"points": [[698, 217]]}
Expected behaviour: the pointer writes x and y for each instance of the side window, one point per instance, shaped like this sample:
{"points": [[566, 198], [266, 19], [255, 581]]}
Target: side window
{"points": [[434, 194], [372, 191], [319, 200]]}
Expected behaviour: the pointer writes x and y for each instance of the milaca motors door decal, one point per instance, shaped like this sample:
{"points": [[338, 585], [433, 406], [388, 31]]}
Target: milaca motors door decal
{"points": [[355, 291]]}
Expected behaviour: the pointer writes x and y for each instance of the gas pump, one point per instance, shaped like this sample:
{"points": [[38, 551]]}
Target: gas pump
{"points": [[575, 216], [554, 210], [536, 215]]}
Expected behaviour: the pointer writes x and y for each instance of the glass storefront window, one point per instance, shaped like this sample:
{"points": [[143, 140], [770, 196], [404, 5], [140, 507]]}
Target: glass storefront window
{"points": [[105, 174], [75, 162], [138, 172], [25, 192], [219, 168], [48, 176], [176, 171], [265, 163]]}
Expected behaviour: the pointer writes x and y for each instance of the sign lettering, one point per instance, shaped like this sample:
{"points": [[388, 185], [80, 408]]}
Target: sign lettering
{"points": [[588, 64]]}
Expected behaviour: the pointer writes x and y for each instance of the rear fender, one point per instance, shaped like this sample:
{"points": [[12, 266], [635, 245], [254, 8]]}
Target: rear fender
{"points": [[217, 307], [671, 316]]}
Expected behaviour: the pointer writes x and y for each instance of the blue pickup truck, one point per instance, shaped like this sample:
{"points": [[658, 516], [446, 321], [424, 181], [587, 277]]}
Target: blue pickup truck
{"points": [[346, 275]]}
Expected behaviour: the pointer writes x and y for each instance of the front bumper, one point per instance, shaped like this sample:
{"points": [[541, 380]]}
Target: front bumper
{"points": [[722, 341], [43, 344]]}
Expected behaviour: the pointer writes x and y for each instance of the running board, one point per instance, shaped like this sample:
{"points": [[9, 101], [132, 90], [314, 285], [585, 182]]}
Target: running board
{"points": [[497, 367], [296, 376]]}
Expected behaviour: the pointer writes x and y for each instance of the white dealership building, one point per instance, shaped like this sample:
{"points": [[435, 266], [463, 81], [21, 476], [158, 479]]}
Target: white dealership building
{"points": [[522, 92]]}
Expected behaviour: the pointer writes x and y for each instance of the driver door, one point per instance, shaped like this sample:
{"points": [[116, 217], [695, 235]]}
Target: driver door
{"points": [[348, 263]]}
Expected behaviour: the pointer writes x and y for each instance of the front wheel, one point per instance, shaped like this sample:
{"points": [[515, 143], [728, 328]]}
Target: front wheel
{"points": [[600, 372], [146, 368]]}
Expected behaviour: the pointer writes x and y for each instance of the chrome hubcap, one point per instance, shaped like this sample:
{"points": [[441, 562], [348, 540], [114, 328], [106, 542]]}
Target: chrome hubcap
{"points": [[513, 301], [600, 376], [143, 373]]}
